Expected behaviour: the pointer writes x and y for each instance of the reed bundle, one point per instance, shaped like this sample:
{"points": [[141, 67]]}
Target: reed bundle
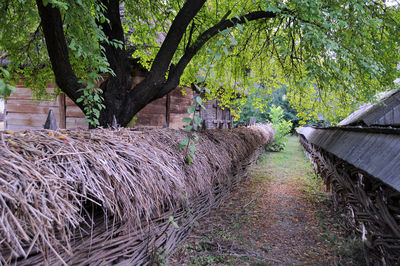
{"points": [[108, 196]]}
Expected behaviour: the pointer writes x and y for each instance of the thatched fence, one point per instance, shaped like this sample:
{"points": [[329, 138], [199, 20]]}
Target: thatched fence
{"points": [[371, 206], [108, 197]]}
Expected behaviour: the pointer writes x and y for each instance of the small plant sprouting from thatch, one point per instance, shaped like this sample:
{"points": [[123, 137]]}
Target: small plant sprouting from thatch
{"points": [[193, 123]]}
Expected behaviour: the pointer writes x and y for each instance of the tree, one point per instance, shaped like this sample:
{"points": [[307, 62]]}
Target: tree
{"points": [[259, 104], [331, 51]]}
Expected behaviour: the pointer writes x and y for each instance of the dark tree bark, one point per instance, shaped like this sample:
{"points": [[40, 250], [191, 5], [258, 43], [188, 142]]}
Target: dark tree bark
{"points": [[120, 99], [115, 88], [58, 51], [148, 90]]}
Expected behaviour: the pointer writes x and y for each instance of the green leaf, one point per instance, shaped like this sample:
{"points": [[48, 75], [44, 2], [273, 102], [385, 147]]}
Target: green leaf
{"points": [[192, 148], [197, 87], [72, 45], [199, 100], [201, 80], [5, 72], [233, 41], [186, 120], [192, 109], [171, 220], [225, 32], [175, 224], [185, 142], [188, 128], [197, 120], [195, 137]]}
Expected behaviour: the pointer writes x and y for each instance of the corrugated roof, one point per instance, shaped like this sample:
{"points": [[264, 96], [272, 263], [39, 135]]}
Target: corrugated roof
{"points": [[386, 112], [375, 152]]}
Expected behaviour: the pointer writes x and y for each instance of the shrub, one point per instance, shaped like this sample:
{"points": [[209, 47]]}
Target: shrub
{"points": [[281, 126]]}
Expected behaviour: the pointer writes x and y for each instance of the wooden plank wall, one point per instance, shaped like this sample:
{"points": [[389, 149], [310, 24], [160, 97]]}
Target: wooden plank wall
{"points": [[24, 113], [156, 114], [153, 114], [179, 104], [21, 112], [74, 117]]}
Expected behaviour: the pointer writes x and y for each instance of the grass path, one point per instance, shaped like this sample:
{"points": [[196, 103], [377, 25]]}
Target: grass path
{"points": [[278, 216]]}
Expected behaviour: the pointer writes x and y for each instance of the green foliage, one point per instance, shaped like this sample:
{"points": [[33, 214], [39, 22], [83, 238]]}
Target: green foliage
{"points": [[23, 43], [330, 55], [192, 124], [5, 89], [93, 103], [281, 127], [258, 105]]}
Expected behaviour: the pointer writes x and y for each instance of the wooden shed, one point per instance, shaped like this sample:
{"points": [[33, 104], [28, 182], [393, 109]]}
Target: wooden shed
{"points": [[22, 112], [214, 116]]}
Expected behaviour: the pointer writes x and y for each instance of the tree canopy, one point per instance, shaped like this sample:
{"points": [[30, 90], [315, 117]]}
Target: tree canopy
{"points": [[331, 55]]}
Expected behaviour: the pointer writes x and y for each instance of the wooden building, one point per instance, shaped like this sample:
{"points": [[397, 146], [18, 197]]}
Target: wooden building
{"points": [[22, 112], [214, 116]]}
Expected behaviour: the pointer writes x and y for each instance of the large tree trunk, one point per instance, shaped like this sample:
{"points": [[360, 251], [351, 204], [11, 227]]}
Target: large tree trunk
{"points": [[120, 99], [115, 88]]}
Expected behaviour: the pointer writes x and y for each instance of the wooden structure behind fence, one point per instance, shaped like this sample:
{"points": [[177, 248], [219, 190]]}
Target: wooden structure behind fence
{"points": [[22, 112], [214, 116], [167, 111]]}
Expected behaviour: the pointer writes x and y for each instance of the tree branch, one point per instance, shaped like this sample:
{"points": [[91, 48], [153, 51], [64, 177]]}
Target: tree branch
{"points": [[58, 51], [168, 48], [174, 77], [148, 90], [116, 57]]}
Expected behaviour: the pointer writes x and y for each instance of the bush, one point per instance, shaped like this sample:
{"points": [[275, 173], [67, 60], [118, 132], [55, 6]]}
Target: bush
{"points": [[282, 128]]}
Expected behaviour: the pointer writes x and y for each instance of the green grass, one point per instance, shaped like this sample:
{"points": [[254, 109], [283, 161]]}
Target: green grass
{"points": [[295, 167]]}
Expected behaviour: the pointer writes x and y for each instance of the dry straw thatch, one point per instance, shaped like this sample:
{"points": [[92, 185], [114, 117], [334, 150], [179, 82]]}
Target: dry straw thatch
{"points": [[104, 197]]}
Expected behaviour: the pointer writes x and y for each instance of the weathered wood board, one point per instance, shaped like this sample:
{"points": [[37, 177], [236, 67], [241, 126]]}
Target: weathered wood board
{"points": [[376, 153], [22, 112]]}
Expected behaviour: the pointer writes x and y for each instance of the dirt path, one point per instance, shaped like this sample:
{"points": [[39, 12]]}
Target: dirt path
{"points": [[278, 217]]}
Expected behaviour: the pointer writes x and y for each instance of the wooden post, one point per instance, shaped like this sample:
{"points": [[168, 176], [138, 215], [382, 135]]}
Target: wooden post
{"points": [[51, 122], [63, 110], [168, 110], [114, 124]]}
